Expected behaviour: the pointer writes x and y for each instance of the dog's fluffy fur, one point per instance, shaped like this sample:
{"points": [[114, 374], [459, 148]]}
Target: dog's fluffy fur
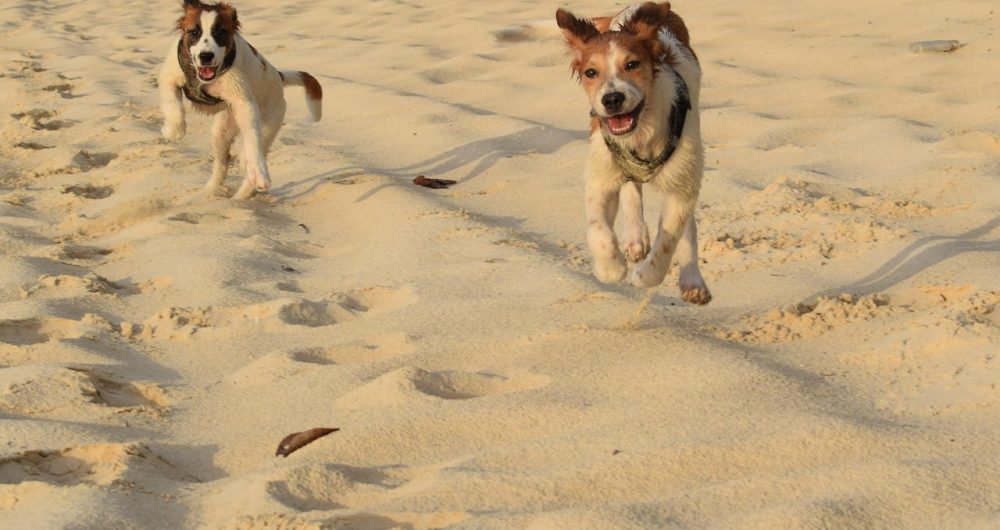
{"points": [[632, 61], [244, 91]]}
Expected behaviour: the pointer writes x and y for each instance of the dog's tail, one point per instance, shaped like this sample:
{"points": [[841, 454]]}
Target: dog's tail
{"points": [[314, 92]]}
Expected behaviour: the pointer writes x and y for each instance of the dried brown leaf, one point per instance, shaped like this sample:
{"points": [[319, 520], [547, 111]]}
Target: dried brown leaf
{"points": [[436, 184], [295, 441]]}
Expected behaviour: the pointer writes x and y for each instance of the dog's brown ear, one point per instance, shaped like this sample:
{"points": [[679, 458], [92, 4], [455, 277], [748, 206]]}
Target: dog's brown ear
{"points": [[577, 30], [229, 12], [648, 19], [190, 16]]}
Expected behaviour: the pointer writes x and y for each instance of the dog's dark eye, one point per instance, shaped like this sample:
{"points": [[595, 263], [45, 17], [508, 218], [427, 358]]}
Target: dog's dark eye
{"points": [[590, 73], [195, 33], [219, 33], [632, 65]]}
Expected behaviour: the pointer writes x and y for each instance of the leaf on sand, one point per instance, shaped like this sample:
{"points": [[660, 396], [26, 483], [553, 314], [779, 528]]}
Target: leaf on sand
{"points": [[295, 441], [436, 184]]}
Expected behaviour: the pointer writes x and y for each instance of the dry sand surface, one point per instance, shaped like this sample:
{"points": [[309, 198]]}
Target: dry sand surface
{"points": [[156, 344]]}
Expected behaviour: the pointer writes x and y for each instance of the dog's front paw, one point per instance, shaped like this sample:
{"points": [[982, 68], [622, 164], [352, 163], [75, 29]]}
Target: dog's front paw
{"points": [[610, 270], [259, 176], [635, 246], [645, 274], [173, 130]]}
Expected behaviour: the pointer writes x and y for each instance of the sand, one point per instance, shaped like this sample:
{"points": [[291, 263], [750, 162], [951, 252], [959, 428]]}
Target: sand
{"points": [[156, 344]]}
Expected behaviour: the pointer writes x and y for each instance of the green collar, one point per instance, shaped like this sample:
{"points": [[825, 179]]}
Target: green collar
{"points": [[638, 169]]}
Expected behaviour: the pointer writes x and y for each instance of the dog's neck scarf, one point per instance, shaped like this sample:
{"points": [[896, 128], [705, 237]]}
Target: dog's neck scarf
{"points": [[194, 88], [638, 169]]}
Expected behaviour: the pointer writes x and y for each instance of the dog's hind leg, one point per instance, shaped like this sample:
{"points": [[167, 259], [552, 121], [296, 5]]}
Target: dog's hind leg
{"points": [[635, 239], [248, 118], [223, 132], [693, 288], [270, 124]]}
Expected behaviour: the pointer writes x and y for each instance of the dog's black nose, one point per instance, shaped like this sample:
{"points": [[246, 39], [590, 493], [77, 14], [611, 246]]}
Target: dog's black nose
{"points": [[206, 57], [612, 101]]}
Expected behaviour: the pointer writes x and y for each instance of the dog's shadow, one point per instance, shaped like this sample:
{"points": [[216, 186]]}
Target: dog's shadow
{"points": [[917, 257], [478, 156]]}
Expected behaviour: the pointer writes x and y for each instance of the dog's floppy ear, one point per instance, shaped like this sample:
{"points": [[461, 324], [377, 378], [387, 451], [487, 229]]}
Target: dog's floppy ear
{"points": [[228, 11], [577, 30], [191, 8], [648, 19]]}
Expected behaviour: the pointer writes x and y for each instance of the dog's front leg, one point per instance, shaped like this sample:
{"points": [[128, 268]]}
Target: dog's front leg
{"points": [[171, 103], [601, 198], [677, 210], [247, 116], [224, 130], [635, 239], [693, 288]]}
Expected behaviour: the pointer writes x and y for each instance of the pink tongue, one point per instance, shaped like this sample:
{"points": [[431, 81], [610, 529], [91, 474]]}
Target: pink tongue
{"points": [[620, 122], [206, 72]]}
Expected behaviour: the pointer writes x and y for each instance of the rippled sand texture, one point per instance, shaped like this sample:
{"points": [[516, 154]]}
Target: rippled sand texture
{"points": [[156, 344]]}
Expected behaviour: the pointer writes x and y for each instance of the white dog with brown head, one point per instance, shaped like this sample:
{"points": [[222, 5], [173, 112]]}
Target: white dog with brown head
{"points": [[642, 79], [220, 73]]}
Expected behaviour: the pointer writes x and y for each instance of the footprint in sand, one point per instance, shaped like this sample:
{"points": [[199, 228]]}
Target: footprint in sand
{"points": [[344, 306], [64, 89], [97, 465], [409, 385], [82, 252], [356, 352], [52, 390], [282, 315], [89, 191], [283, 364], [34, 146], [289, 250], [41, 120], [63, 285], [87, 161], [326, 487], [30, 331], [186, 217], [330, 487]]}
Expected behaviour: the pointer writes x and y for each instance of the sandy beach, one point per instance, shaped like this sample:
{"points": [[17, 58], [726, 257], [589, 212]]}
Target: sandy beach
{"points": [[156, 343]]}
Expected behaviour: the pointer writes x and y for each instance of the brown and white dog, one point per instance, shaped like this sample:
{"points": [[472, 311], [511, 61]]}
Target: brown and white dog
{"points": [[222, 74], [642, 79]]}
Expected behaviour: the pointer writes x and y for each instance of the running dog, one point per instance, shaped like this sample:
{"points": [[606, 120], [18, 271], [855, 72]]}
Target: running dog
{"points": [[220, 73], [642, 79]]}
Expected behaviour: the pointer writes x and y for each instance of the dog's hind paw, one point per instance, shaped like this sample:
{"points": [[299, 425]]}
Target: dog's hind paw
{"points": [[245, 191], [696, 295], [216, 190]]}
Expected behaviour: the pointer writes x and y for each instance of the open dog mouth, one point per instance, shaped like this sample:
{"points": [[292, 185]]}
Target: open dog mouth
{"points": [[207, 73], [624, 123]]}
